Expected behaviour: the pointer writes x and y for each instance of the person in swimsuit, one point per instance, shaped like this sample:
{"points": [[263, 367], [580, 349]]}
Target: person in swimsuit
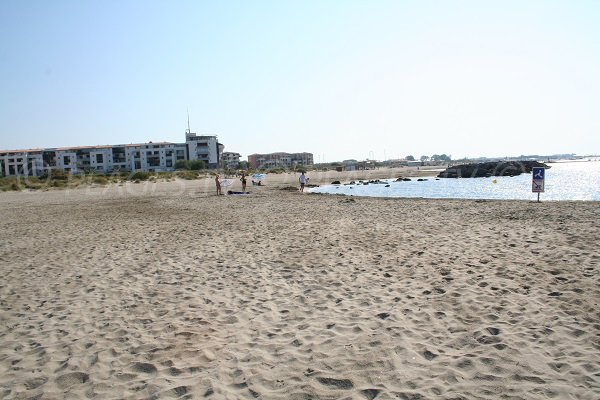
{"points": [[218, 184], [243, 182]]}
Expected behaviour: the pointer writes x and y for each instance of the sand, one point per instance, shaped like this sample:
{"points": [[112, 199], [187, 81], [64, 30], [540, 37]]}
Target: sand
{"points": [[164, 290]]}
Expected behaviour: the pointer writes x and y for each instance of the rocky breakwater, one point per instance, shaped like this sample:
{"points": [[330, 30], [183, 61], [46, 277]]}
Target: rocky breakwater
{"points": [[487, 169]]}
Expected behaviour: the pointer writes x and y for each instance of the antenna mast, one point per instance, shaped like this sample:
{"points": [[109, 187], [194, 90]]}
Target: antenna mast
{"points": [[188, 115]]}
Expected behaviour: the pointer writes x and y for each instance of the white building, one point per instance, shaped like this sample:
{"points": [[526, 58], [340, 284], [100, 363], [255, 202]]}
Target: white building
{"points": [[230, 159], [151, 157], [281, 160], [204, 148]]}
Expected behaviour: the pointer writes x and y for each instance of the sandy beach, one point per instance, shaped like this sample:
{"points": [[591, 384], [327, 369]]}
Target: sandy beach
{"points": [[165, 290]]}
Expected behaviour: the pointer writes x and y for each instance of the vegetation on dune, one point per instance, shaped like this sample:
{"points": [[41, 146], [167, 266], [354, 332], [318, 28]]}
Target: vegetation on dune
{"points": [[187, 175], [57, 179], [140, 176], [193, 165]]}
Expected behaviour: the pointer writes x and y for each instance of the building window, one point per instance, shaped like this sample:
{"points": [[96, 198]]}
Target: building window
{"points": [[99, 158], [67, 159], [153, 161], [118, 154]]}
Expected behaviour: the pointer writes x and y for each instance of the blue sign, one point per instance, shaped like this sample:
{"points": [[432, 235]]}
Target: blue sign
{"points": [[537, 184], [538, 173]]}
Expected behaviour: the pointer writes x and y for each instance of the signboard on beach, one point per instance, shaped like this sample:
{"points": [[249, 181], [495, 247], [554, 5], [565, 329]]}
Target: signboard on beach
{"points": [[538, 174]]}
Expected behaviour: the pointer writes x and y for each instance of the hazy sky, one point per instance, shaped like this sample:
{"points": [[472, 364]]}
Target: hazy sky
{"points": [[341, 79]]}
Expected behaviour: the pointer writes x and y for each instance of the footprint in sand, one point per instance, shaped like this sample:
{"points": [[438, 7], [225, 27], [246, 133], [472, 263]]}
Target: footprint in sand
{"points": [[35, 382], [72, 378], [429, 355], [370, 394], [337, 383], [146, 368]]}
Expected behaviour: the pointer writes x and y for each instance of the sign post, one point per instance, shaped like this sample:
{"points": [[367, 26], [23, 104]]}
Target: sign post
{"points": [[538, 174]]}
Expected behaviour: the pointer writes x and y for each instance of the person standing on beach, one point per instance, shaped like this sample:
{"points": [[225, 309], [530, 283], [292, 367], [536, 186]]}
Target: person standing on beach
{"points": [[302, 181], [243, 182], [218, 184]]}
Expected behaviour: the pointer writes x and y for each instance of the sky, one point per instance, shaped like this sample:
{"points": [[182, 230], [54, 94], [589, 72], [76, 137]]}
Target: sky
{"points": [[341, 79]]}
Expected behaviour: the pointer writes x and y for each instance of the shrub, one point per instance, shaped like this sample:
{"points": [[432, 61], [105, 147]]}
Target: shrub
{"points": [[164, 175], [100, 180], [196, 165], [182, 164], [189, 175], [277, 171], [140, 176], [32, 183], [57, 174]]}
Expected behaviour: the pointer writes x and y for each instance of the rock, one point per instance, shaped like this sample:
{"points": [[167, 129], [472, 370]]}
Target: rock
{"points": [[487, 169], [336, 183]]}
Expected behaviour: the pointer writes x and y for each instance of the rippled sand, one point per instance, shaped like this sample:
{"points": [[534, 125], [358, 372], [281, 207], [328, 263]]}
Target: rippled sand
{"points": [[166, 291]]}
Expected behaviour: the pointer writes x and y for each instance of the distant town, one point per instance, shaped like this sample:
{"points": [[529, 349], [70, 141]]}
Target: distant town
{"points": [[198, 152]]}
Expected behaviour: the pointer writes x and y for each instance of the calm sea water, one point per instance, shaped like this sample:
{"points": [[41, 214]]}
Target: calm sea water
{"points": [[564, 181]]}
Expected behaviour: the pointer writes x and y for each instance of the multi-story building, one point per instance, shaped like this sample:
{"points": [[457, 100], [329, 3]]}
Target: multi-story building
{"points": [[204, 148], [230, 159], [151, 157], [279, 160]]}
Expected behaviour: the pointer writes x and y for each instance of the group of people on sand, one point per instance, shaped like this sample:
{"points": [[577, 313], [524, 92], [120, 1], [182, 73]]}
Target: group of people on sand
{"points": [[218, 184], [303, 179]]}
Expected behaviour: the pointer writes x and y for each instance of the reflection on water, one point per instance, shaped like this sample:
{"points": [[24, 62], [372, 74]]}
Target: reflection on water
{"points": [[564, 181]]}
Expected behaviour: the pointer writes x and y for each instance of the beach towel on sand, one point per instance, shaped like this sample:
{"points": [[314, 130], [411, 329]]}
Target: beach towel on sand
{"points": [[232, 192]]}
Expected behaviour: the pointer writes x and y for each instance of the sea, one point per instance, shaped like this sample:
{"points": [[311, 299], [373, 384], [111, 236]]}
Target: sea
{"points": [[565, 180]]}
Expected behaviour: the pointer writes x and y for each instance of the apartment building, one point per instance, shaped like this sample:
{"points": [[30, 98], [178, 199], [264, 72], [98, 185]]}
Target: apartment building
{"points": [[279, 160], [150, 157], [230, 159], [204, 148]]}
